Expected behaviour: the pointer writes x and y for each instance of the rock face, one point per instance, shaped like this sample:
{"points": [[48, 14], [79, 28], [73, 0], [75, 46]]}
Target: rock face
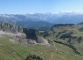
{"points": [[10, 28], [32, 34], [20, 35]]}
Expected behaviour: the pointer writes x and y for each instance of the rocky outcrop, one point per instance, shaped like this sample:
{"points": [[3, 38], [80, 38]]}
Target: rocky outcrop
{"points": [[32, 34], [23, 36], [10, 28]]}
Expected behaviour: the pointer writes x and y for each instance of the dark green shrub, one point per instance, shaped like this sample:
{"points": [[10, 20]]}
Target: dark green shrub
{"points": [[33, 57]]}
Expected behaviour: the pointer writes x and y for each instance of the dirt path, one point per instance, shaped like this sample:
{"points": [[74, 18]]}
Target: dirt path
{"points": [[51, 56]]}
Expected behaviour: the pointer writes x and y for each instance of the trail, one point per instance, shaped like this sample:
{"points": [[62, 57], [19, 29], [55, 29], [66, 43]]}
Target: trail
{"points": [[51, 56]]}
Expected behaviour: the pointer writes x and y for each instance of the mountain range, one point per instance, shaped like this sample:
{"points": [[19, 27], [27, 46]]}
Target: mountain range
{"points": [[42, 20]]}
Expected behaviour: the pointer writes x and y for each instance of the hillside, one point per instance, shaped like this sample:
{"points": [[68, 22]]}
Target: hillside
{"points": [[66, 34], [61, 42], [19, 34]]}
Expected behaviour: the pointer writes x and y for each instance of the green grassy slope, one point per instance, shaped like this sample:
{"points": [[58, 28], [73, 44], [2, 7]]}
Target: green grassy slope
{"points": [[70, 36], [64, 41], [12, 51]]}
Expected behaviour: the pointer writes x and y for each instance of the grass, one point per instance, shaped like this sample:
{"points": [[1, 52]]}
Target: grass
{"points": [[11, 51], [65, 52], [14, 51]]}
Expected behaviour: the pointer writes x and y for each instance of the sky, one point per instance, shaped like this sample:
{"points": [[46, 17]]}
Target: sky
{"points": [[39, 6]]}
